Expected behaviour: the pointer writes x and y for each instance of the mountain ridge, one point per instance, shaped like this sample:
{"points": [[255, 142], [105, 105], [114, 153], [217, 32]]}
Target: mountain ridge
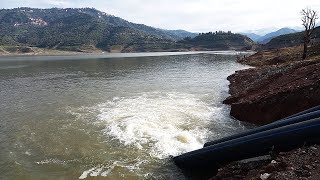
{"points": [[266, 38], [252, 36], [87, 29], [290, 40], [110, 19]]}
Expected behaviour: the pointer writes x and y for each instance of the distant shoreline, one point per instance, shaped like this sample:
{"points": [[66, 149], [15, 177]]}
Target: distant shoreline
{"points": [[101, 54], [33, 51]]}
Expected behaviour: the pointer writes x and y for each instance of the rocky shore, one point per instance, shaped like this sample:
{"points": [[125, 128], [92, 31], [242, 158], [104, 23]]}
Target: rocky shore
{"points": [[281, 85], [302, 163]]}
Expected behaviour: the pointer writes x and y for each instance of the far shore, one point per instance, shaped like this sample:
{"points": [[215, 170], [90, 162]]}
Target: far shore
{"points": [[49, 52]]}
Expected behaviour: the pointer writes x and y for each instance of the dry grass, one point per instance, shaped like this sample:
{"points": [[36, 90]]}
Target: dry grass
{"points": [[280, 56], [273, 57]]}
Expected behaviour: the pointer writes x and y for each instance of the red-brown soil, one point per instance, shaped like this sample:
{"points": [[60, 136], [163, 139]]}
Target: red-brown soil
{"points": [[271, 92]]}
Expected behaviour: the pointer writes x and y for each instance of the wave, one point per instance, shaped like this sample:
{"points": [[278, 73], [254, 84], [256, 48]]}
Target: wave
{"points": [[166, 123]]}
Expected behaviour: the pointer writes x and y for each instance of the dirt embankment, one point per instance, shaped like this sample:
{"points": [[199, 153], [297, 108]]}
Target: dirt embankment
{"points": [[302, 163], [281, 85]]}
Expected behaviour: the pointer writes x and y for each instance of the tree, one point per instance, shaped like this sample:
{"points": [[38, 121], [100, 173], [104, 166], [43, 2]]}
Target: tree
{"points": [[308, 18]]}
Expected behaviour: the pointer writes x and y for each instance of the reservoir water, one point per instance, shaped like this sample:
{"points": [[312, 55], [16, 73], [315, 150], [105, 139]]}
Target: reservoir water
{"points": [[110, 117]]}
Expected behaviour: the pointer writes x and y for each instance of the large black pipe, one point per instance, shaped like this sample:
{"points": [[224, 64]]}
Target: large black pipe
{"points": [[279, 139], [283, 122], [316, 108]]}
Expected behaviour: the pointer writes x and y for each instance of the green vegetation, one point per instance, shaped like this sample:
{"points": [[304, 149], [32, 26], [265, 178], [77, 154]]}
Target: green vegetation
{"points": [[290, 40], [220, 40], [87, 29], [77, 30]]}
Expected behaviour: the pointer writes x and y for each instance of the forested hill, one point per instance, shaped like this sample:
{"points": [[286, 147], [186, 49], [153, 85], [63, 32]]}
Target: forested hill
{"points": [[220, 40], [87, 29], [72, 29], [290, 40]]}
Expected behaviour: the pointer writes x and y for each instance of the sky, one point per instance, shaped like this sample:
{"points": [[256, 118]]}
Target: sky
{"points": [[192, 15]]}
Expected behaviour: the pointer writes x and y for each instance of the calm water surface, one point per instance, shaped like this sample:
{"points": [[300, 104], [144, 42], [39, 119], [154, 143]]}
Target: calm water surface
{"points": [[110, 118]]}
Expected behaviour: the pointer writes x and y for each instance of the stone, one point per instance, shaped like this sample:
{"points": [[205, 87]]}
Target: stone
{"points": [[266, 94], [264, 176]]}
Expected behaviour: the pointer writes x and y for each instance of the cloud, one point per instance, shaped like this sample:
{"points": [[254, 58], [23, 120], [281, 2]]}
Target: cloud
{"points": [[192, 15]]}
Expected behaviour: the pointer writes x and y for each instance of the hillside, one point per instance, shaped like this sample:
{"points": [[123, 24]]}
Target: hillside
{"points": [[25, 15], [253, 36], [89, 30], [219, 41], [289, 40], [266, 38], [80, 30], [269, 92], [179, 34]]}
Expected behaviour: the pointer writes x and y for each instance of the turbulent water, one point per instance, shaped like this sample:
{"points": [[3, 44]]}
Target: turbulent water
{"points": [[116, 117]]}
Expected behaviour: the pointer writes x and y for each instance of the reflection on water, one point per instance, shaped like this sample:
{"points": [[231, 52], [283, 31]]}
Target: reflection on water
{"points": [[114, 118]]}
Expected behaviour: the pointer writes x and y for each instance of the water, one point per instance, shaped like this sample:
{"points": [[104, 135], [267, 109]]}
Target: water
{"points": [[77, 117]]}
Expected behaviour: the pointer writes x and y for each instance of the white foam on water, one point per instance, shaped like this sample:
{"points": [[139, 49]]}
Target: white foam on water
{"points": [[167, 123], [104, 171], [55, 161], [96, 171], [28, 153], [86, 173]]}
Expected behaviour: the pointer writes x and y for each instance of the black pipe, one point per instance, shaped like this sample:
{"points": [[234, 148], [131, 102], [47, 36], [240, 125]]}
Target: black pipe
{"points": [[279, 139], [316, 108], [283, 122]]}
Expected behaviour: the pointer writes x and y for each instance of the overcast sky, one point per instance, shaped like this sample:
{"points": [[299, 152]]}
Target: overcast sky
{"points": [[191, 15]]}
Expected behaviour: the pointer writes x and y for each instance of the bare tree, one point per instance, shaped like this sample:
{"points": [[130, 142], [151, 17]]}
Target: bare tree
{"points": [[308, 18]]}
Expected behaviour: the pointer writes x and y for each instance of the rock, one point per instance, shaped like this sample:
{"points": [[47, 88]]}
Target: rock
{"points": [[266, 94], [26, 50], [270, 168], [307, 167], [264, 176], [289, 165], [302, 173], [281, 166]]}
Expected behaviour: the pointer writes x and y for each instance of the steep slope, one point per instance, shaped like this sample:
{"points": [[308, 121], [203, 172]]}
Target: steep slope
{"points": [[24, 15], [290, 40], [266, 38], [282, 84], [86, 29], [77, 30]]}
